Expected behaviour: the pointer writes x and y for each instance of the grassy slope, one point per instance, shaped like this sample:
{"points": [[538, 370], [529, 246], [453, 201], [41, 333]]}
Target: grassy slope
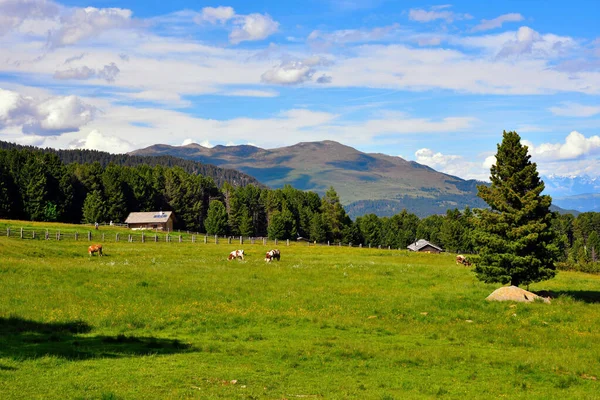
{"points": [[176, 320]]}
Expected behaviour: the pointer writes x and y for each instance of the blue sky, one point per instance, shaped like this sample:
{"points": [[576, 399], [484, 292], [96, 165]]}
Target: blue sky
{"points": [[432, 82]]}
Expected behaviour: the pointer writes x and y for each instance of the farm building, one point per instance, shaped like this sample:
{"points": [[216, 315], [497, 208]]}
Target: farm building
{"points": [[161, 220], [424, 246]]}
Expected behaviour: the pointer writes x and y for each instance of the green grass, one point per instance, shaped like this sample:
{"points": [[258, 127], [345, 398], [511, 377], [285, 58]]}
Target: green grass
{"points": [[177, 320]]}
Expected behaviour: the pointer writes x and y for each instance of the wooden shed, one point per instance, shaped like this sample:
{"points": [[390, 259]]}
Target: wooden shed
{"points": [[423, 246], [161, 220]]}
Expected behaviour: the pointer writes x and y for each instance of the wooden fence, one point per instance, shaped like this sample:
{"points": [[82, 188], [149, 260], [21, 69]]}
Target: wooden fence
{"points": [[143, 237]]}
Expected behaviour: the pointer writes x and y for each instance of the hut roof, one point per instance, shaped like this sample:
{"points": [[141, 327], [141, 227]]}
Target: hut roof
{"points": [[148, 217], [419, 244]]}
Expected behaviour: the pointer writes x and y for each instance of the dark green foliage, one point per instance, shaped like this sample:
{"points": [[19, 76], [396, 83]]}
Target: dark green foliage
{"points": [[517, 243], [94, 208], [216, 220]]}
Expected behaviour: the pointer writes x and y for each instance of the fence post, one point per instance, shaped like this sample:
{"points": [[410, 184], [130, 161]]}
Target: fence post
{"points": [[179, 238], [193, 239], [229, 240], [7, 232], [349, 244], [288, 242], [252, 240], [47, 235], [143, 239], [216, 239], [339, 244], [21, 233], [328, 243], [389, 247], [75, 235], [129, 238], [89, 236], [264, 241], [33, 234], [155, 238], [241, 239], [379, 247], [167, 237], [275, 242], [117, 237], [58, 235], [360, 245], [103, 237], [205, 239], [369, 245]]}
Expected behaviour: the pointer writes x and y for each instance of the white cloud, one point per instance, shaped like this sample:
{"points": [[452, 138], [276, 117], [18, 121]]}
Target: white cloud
{"points": [[14, 13], [95, 140], [252, 93], [215, 15], [44, 117], [253, 27], [570, 109], [453, 164], [289, 73], [353, 35], [203, 143], [435, 13], [83, 23], [75, 73], [487, 24], [575, 146], [108, 72]]}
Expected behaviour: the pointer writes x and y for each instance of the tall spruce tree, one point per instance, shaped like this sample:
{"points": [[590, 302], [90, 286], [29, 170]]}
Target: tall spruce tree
{"points": [[517, 243]]}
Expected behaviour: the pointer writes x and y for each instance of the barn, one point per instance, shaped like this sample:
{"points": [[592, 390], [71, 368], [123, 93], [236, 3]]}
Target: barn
{"points": [[161, 220], [423, 246]]}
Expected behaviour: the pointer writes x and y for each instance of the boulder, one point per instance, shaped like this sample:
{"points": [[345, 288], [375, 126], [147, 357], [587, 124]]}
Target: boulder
{"points": [[514, 293]]}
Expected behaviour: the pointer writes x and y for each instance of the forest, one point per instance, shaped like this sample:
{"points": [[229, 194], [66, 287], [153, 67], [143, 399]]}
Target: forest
{"points": [[38, 186]]}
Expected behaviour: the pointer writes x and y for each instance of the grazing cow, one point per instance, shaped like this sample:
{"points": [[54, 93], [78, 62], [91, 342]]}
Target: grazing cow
{"points": [[236, 254], [95, 248], [460, 259], [272, 254]]}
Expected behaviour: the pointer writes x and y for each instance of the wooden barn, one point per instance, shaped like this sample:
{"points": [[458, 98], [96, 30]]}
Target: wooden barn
{"points": [[161, 220], [423, 246]]}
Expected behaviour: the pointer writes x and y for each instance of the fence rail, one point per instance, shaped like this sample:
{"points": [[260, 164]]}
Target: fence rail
{"points": [[171, 237]]}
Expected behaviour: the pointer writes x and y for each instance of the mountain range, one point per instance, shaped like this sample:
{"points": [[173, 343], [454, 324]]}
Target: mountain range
{"points": [[365, 182]]}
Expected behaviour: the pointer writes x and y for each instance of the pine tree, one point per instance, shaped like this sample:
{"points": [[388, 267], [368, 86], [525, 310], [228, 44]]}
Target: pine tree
{"points": [[216, 220], [516, 238]]}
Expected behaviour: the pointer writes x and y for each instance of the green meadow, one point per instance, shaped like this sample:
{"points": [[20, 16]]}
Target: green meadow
{"points": [[170, 320]]}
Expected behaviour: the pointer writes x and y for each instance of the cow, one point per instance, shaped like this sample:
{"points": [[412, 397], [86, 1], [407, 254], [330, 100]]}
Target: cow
{"points": [[95, 248], [236, 254], [272, 254], [460, 259]]}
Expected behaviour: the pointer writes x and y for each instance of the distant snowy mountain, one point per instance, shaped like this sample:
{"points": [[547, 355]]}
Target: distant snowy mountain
{"points": [[562, 186], [581, 193]]}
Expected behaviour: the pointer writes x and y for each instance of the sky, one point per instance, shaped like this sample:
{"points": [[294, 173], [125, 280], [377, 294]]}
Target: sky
{"points": [[436, 83]]}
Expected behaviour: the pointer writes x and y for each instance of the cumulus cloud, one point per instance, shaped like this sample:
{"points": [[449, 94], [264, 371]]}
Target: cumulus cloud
{"points": [[453, 164], [108, 72], [95, 140], [13, 13], [81, 73], [289, 73], [83, 23], [570, 109], [215, 15], [575, 146], [253, 27], [526, 41], [203, 143], [44, 117], [487, 24], [324, 79], [435, 13]]}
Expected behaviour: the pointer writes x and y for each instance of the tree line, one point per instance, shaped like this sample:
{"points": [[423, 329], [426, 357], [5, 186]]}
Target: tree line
{"points": [[39, 186]]}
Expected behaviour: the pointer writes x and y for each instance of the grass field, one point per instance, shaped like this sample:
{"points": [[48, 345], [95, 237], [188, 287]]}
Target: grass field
{"points": [[177, 320]]}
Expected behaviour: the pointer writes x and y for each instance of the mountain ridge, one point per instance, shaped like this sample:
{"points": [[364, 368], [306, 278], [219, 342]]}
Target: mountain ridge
{"points": [[374, 182]]}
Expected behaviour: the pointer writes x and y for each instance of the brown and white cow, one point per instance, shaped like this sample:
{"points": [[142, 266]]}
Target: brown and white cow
{"points": [[272, 254], [95, 248], [236, 254], [460, 259]]}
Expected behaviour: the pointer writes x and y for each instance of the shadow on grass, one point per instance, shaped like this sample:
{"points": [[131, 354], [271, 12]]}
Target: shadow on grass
{"points": [[587, 296], [26, 339]]}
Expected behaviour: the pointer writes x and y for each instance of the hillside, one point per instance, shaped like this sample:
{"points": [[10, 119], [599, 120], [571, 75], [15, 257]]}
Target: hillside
{"points": [[218, 174], [582, 202], [366, 182]]}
